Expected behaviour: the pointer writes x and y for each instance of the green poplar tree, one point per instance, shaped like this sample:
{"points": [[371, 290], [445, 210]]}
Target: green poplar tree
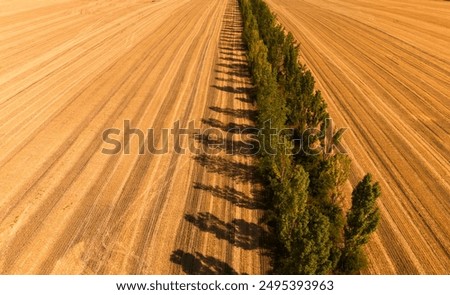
{"points": [[362, 220]]}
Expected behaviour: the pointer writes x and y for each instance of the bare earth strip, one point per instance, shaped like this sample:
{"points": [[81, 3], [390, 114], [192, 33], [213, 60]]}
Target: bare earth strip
{"points": [[384, 69], [71, 69]]}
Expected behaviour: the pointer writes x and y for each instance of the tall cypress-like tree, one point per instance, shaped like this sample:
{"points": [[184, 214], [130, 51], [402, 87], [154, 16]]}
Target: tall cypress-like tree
{"points": [[289, 184], [362, 220], [332, 176]]}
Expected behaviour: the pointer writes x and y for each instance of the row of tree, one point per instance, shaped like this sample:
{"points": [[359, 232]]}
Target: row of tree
{"points": [[300, 159]]}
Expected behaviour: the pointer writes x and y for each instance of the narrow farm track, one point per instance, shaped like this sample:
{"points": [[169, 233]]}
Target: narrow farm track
{"points": [[70, 70], [384, 68]]}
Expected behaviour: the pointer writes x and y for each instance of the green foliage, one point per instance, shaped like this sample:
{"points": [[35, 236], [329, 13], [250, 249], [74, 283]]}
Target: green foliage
{"points": [[311, 246], [363, 217], [362, 220], [332, 176], [351, 262], [290, 186]]}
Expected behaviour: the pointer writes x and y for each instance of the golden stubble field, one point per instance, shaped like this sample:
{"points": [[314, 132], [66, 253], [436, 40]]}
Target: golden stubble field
{"points": [[71, 69]]}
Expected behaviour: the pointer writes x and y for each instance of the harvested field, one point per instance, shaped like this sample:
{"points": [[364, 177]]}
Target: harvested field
{"points": [[70, 70], [384, 68]]}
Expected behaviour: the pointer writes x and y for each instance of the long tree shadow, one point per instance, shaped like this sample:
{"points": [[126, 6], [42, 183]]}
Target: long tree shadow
{"points": [[234, 73], [238, 113], [237, 171], [245, 99], [233, 60], [232, 80], [232, 65], [233, 89], [199, 264], [231, 53], [231, 126], [232, 49], [238, 232], [212, 143], [232, 195]]}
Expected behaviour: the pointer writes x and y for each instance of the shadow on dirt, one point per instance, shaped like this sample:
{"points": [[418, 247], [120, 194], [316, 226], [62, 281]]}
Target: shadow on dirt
{"points": [[238, 232], [213, 145], [232, 195], [237, 113], [199, 264], [231, 126], [240, 172]]}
